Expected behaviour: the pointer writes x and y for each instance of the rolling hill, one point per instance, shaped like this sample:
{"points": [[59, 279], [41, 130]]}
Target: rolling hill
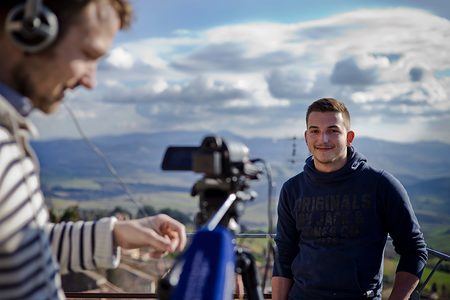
{"points": [[71, 171]]}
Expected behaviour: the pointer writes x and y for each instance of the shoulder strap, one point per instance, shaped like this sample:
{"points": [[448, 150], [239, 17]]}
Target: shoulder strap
{"points": [[19, 127]]}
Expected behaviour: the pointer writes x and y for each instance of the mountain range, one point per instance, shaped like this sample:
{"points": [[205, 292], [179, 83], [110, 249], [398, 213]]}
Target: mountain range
{"points": [[423, 167], [411, 162]]}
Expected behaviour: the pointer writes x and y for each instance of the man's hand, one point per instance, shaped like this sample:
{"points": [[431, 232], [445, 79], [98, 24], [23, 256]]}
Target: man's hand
{"points": [[160, 232]]}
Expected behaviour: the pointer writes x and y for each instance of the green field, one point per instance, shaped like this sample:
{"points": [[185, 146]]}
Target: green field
{"points": [[436, 227], [157, 200], [438, 237], [440, 279]]}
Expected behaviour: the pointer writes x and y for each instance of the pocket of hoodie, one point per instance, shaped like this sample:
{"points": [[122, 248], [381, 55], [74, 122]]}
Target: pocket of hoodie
{"points": [[325, 270]]}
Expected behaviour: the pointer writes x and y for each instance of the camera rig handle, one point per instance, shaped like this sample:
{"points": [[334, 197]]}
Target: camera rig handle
{"points": [[215, 220]]}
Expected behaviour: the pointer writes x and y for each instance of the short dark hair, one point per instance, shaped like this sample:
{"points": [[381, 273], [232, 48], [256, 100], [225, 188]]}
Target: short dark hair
{"points": [[332, 105], [67, 10]]}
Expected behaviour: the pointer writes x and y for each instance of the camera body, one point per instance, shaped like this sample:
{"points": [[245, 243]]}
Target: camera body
{"points": [[226, 167], [215, 158]]}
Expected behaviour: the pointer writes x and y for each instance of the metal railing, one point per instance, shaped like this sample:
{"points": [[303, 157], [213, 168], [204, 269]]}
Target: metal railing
{"points": [[442, 257], [126, 295]]}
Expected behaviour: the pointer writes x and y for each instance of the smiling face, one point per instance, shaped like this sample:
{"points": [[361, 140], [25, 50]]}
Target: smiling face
{"points": [[45, 77], [327, 138]]}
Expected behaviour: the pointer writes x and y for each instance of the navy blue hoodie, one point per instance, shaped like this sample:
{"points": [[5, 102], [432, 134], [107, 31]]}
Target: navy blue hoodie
{"points": [[332, 229]]}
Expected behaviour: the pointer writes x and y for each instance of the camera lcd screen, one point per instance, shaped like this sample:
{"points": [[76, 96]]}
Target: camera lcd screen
{"points": [[178, 158]]}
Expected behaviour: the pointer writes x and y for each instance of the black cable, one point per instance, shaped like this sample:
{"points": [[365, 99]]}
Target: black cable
{"points": [[271, 246]]}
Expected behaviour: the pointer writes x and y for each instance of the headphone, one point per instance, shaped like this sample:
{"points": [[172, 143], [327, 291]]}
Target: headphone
{"points": [[31, 26]]}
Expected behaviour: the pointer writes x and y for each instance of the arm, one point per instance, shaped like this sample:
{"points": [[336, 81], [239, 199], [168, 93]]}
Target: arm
{"points": [[404, 285], [408, 241], [280, 287], [90, 245], [160, 232], [84, 245], [286, 245]]}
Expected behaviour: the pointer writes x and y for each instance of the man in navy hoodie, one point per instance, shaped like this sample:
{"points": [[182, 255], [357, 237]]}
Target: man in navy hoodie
{"points": [[335, 216]]}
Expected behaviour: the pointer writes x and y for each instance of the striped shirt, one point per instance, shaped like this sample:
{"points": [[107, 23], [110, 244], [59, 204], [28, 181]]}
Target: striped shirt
{"points": [[34, 252]]}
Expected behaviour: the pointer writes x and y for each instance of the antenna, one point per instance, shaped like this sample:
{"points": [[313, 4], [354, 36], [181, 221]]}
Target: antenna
{"points": [[293, 159]]}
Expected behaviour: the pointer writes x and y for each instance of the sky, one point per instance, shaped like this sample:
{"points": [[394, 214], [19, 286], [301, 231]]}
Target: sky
{"points": [[252, 67]]}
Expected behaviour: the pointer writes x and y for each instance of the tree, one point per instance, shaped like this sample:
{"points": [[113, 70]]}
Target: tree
{"points": [[177, 215], [72, 213], [52, 216], [146, 210], [118, 210]]}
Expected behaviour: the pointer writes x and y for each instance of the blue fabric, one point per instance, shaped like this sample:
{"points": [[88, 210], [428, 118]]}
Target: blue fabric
{"points": [[332, 230], [20, 103]]}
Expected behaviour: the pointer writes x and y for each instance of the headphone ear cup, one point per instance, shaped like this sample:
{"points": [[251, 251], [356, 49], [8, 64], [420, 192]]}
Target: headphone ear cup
{"points": [[31, 34]]}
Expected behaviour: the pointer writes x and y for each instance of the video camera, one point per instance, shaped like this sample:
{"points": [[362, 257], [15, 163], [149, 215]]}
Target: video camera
{"points": [[226, 168], [214, 157]]}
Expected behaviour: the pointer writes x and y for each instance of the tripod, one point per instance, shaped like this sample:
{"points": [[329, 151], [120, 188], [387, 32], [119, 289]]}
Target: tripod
{"points": [[206, 270], [246, 267]]}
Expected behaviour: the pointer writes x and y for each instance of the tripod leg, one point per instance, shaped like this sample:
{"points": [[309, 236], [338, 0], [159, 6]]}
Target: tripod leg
{"points": [[246, 266]]}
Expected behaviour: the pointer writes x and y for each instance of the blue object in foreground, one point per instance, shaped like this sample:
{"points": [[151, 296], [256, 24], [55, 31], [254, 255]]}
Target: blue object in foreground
{"points": [[209, 267]]}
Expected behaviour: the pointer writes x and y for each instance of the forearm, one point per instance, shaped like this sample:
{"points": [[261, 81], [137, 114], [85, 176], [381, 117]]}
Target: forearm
{"points": [[404, 285], [280, 288], [84, 245], [161, 233]]}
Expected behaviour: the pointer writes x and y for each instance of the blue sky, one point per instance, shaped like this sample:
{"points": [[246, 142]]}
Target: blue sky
{"points": [[161, 18], [253, 67]]}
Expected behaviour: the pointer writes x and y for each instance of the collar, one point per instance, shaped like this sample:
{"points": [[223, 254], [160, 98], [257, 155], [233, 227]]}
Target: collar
{"points": [[21, 103]]}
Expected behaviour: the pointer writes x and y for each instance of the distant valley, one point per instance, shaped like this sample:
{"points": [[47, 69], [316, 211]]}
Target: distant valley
{"points": [[71, 171]]}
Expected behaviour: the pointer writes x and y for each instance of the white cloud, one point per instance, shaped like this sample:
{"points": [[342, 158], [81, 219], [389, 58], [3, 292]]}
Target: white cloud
{"points": [[259, 77], [119, 58]]}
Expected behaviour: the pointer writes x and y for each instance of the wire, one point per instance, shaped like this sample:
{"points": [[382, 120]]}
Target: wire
{"points": [[271, 246], [105, 160], [108, 165]]}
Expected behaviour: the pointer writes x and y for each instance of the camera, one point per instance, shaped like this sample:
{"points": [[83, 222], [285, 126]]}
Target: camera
{"points": [[226, 167], [215, 158]]}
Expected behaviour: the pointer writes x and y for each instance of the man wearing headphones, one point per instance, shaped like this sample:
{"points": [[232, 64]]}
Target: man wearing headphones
{"points": [[46, 49]]}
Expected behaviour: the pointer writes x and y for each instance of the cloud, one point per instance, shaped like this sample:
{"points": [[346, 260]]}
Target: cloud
{"points": [[200, 93], [416, 74], [358, 70], [259, 78], [290, 84], [119, 58], [230, 57]]}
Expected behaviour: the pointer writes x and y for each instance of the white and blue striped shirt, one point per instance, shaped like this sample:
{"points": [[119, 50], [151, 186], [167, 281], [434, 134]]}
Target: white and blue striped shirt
{"points": [[33, 252]]}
